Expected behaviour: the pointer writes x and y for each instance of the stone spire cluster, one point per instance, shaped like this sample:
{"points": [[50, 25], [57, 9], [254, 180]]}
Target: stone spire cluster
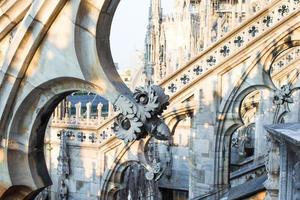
{"points": [[154, 47], [173, 39]]}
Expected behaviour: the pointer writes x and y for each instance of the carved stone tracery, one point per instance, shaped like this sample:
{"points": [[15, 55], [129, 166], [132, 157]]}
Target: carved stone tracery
{"points": [[143, 117]]}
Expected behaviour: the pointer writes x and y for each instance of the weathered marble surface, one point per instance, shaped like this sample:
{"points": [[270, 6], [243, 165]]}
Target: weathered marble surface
{"points": [[289, 132], [287, 139]]}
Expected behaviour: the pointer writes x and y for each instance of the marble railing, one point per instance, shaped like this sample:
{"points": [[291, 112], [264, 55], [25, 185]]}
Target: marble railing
{"points": [[94, 130], [232, 43], [89, 122]]}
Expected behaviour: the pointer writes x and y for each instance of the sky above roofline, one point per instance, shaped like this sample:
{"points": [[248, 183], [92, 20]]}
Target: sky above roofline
{"points": [[129, 29]]}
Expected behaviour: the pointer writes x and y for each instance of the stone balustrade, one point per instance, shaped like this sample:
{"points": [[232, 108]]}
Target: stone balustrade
{"points": [[88, 128]]}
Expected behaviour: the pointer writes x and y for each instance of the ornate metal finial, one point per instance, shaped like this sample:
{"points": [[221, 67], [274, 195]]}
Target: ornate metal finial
{"points": [[137, 120]]}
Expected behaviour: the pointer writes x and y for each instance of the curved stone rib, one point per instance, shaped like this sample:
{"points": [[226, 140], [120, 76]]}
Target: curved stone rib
{"points": [[93, 49], [12, 12], [23, 46], [25, 43], [35, 62]]}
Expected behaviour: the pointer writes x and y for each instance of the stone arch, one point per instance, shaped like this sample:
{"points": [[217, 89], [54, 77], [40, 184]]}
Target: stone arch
{"points": [[280, 48], [97, 38], [25, 156], [233, 122], [118, 179], [232, 100], [18, 192], [227, 157], [262, 61], [33, 82], [112, 179], [25, 124], [173, 118]]}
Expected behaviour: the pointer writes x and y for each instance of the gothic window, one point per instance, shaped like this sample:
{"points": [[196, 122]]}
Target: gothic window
{"points": [[242, 146], [243, 139]]}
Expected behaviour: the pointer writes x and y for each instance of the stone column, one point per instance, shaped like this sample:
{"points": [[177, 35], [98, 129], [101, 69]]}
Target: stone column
{"points": [[208, 22], [55, 115], [233, 18], [68, 109], [272, 167], [78, 111], [110, 110], [99, 109], [63, 109], [263, 117], [201, 177], [59, 111], [88, 111], [284, 155]]}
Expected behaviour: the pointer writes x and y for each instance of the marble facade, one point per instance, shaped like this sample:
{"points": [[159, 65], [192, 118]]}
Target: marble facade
{"points": [[239, 83]]}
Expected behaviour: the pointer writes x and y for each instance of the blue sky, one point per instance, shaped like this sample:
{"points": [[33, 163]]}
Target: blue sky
{"points": [[129, 28]]}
